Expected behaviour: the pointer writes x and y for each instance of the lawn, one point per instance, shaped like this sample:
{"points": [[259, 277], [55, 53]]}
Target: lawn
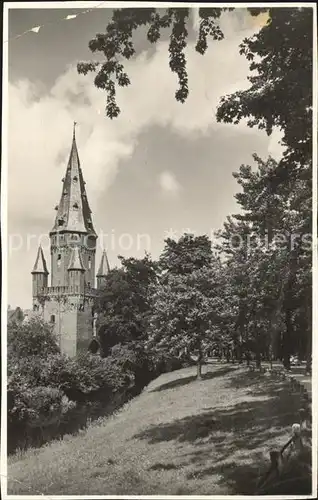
{"points": [[179, 437]]}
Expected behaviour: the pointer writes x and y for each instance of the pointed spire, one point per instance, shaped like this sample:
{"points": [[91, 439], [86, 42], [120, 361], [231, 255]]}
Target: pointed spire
{"points": [[76, 263], [73, 212], [104, 268], [40, 263]]}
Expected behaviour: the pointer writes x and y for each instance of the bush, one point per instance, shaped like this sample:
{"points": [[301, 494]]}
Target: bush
{"points": [[34, 338], [34, 412], [50, 394], [48, 397]]}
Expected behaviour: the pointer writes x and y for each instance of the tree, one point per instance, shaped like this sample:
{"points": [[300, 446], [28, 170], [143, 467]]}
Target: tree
{"points": [[281, 56], [185, 314], [265, 261], [34, 338], [280, 94], [183, 302], [116, 44], [123, 303], [185, 255]]}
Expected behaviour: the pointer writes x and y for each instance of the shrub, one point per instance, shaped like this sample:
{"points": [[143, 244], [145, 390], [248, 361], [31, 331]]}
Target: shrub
{"points": [[50, 394], [34, 413], [34, 338]]}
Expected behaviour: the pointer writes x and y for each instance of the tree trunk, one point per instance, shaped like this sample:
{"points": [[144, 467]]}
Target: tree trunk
{"points": [[271, 356], [247, 357], [199, 365], [287, 339], [309, 353], [228, 356], [309, 339], [199, 369], [258, 355], [288, 299]]}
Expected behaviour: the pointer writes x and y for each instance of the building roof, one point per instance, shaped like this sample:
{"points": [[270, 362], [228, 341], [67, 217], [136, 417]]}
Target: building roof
{"points": [[73, 212], [104, 268], [76, 262], [40, 263]]}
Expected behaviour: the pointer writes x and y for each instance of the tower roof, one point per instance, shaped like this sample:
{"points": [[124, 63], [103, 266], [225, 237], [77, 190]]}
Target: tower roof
{"points": [[73, 212], [104, 268], [40, 263], [76, 263]]}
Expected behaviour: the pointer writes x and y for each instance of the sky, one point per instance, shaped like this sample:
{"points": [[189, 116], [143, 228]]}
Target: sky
{"points": [[160, 169]]}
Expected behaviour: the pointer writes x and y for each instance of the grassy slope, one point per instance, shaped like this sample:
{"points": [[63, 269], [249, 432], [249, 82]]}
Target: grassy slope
{"points": [[180, 436]]}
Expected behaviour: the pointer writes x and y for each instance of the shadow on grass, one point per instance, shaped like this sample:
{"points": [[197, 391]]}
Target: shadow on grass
{"points": [[160, 466], [187, 380], [243, 478], [217, 434]]}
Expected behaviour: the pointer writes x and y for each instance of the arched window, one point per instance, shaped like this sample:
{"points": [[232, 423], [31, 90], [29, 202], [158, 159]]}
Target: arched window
{"points": [[59, 260], [52, 320], [89, 262]]}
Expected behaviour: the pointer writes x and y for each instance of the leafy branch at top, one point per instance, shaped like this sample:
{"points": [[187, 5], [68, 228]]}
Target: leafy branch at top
{"points": [[117, 44]]}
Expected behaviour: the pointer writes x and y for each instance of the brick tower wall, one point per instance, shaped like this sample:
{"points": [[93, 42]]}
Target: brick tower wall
{"points": [[72, 327]]}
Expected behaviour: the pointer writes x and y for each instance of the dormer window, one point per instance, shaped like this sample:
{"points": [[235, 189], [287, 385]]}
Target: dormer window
{"points": [[60, 222], [56, 207], [65, 192], [75, 178], [75, 206], [63, 179]]}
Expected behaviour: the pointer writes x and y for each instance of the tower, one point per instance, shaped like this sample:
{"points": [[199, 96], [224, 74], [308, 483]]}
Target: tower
{"points": [[68, 303], [39, 276], [103, 271]]}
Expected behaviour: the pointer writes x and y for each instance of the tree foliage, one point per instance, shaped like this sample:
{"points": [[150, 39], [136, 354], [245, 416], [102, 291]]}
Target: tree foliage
{"points": [[268, 248], [116, 45], [34, 338], [281, 66], [186, 255], [185, 302], [50, 394], [123, 303]]}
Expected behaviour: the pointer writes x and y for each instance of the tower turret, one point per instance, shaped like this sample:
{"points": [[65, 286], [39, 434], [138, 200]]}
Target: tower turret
{"points": [[39, 274], [103, 270], [76, 271]]}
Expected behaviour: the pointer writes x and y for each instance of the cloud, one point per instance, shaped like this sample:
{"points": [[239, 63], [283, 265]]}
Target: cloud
{"points": [[40, 128], [169, 183], [275, 149]]}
